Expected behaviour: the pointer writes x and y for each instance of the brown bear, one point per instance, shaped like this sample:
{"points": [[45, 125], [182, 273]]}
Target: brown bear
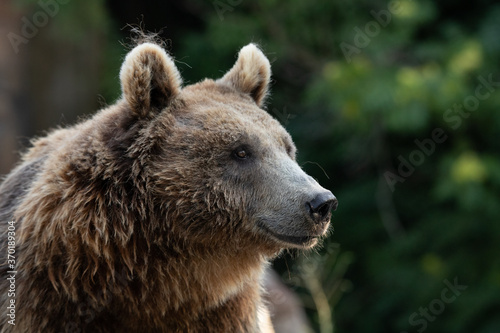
{"points": [[159, 213]]}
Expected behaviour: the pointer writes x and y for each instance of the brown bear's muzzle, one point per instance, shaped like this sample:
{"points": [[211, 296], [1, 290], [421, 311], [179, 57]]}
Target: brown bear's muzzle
{"points": [[320, 206]]}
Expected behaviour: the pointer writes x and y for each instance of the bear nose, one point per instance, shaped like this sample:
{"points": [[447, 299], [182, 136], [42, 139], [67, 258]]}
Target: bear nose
{"points": [[321, 204]]}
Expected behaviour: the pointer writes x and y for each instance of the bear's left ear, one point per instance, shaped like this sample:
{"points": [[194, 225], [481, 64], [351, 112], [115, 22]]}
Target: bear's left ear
{"points": [[149, 79], [250, 74]]}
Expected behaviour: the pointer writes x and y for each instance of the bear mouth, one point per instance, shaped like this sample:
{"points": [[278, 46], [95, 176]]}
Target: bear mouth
{"points": [[302, 241]]}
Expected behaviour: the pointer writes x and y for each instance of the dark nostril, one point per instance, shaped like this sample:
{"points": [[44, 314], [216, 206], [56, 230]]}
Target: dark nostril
{"points": [[321, 205]]}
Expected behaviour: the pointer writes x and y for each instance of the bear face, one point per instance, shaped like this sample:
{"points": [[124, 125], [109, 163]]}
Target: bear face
{"points": [[224, 158]]}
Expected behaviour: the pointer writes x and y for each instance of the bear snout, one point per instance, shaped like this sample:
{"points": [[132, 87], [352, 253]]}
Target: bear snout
{"points": [[320, 205]]}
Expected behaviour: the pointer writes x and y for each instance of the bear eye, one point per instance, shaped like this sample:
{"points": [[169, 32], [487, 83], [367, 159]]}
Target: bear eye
{"points": [[241, 153]]}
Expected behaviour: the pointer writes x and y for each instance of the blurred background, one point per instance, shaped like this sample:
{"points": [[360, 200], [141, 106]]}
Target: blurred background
{"points": [[393, 105]]}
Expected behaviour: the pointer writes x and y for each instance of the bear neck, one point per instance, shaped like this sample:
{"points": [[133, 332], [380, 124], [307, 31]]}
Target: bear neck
{"points": [[186, 278]]}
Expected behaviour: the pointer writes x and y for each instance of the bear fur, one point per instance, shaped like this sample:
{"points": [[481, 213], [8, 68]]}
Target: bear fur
{"points": [[159, 213]]}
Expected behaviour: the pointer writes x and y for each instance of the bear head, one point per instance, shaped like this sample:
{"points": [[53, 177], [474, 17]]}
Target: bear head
{"points": [[218, 167]]}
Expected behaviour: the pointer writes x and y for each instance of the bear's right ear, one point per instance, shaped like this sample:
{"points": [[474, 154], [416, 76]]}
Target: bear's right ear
{"points": [[149, 79]]}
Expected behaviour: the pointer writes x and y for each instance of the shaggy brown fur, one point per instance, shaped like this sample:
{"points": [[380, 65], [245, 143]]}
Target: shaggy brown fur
{"points": [[159, 213]]}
